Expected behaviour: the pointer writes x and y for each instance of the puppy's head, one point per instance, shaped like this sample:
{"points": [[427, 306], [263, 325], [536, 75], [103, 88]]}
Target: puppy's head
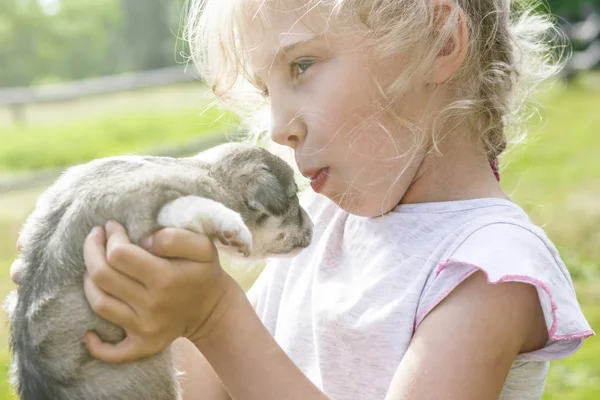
{"points": [[261, 188]]}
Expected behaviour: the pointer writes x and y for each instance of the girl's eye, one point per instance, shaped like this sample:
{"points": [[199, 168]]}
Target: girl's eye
{"points": [[301, 65]]}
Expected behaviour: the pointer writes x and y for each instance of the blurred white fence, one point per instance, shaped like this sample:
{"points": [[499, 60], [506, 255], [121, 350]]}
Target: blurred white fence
{"points": [[17, 99]]}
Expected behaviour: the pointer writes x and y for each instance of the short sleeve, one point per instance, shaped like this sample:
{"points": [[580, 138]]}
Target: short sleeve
{"points": [[507, 252]]}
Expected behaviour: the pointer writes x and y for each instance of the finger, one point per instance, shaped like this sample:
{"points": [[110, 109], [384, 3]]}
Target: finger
{"points": [[16, 271], [128, 258], [107, 306], [107, 278], [181, 243], [19, 245], [125, 351], [118, 245], [115, 233]]}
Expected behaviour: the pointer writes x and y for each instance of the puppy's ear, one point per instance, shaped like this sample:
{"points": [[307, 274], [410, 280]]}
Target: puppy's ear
{"points": [[265, 193]]}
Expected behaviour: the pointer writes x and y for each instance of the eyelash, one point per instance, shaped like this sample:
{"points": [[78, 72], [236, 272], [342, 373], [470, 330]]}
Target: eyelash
{"points": [[294, 65], [299, 62]]}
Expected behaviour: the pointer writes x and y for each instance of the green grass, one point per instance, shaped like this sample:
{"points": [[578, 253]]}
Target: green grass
{"points": [[555, 176], [13, 211], [47, 146]]}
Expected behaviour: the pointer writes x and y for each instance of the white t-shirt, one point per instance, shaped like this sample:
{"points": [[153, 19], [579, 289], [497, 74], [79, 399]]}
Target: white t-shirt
{"points": [[346, 308]]}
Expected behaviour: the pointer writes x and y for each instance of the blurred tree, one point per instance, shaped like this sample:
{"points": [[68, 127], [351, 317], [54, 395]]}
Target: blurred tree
{"points": [[85, 39], [74, 39], [22, 34], [148, 36], [570, 8]]}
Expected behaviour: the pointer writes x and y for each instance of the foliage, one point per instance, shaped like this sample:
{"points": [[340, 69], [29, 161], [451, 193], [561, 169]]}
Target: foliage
{"points": [[570, 8], [18, 38], [87, 38]]}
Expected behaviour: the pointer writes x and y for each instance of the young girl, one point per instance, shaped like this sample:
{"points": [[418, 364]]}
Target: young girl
{"points": [[423, 280]]}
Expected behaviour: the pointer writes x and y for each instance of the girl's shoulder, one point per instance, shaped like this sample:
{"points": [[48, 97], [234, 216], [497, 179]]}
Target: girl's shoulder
{"points": [[508, 247]]}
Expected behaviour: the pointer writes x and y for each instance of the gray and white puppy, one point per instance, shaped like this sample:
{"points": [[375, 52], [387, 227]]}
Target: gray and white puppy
{"points": [[239, 189]]}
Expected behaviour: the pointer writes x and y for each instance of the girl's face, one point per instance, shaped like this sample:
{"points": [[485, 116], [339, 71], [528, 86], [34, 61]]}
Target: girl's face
{"points": [[326, 105]]}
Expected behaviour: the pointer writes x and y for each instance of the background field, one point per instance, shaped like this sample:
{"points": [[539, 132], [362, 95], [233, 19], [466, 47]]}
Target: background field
{"points": [[555, 176]]}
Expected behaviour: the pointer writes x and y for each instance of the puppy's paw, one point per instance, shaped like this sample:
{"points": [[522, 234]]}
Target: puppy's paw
{"points": [[208, 217], [234, 233]]}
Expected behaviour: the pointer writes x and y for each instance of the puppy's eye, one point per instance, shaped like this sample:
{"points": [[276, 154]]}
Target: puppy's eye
{"points": [[261, 219]]}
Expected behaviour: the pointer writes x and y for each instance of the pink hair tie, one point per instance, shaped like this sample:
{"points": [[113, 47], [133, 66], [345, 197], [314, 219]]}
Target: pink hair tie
{"points": [[495, 164]]}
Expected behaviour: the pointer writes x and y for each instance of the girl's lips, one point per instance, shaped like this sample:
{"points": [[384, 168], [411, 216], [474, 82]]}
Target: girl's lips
{"points": [[318, 179]]}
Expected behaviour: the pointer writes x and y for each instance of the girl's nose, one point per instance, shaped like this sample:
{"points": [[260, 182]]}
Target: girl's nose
{"points": [[287, 127]]}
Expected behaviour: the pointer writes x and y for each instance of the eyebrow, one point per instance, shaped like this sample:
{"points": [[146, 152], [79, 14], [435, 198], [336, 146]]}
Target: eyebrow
{"points": [[292, 46], [285, 50]]}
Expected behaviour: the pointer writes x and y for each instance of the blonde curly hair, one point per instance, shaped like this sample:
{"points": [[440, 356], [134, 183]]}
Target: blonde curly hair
{"points": [[511, 50]]}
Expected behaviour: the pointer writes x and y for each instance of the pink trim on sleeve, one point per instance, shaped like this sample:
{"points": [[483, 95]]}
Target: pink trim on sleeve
{"points": [[442, 295], [515, 278], [579, 335]]}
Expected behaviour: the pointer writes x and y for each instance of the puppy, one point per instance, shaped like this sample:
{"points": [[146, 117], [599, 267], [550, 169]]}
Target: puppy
{"points": [[239, 189]]}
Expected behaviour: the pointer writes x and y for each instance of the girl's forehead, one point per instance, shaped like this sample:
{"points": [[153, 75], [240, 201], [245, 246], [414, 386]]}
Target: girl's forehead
{"points": [[277, 25], [275, 28], [274, 22]]}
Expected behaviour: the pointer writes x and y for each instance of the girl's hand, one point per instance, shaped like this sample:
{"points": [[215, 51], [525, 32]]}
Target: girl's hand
{"points": [[176, 288]]}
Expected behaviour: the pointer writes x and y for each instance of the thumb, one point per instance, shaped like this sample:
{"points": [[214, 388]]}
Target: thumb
{"points": [[125, 351]]}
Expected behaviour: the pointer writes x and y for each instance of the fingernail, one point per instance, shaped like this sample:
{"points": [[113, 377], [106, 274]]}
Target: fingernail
{"points": [[107, 225], [95, 230], [147, 242]]}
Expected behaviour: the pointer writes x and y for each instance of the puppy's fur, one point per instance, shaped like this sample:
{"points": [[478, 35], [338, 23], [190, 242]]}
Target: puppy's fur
{"points": [[239, 189]]}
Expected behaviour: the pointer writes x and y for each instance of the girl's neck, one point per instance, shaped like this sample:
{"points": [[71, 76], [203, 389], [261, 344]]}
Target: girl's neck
{"points": [[459, 174]]}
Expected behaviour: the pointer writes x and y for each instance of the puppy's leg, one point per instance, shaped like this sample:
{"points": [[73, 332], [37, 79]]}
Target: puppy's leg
{"points": [[207, 217]]}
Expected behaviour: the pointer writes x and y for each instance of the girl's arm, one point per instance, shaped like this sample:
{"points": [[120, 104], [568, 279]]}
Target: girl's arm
{"points": [[246, 357], [465, 347], [180, 289], [462, 350], [199, 380]]}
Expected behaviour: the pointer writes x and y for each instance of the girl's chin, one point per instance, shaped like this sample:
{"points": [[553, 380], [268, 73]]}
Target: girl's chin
{"points": [[368, 207]]}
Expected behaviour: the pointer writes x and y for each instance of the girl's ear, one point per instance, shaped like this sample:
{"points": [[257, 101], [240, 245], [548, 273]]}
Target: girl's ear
{"points": [[454, 51], [263, 192]]}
